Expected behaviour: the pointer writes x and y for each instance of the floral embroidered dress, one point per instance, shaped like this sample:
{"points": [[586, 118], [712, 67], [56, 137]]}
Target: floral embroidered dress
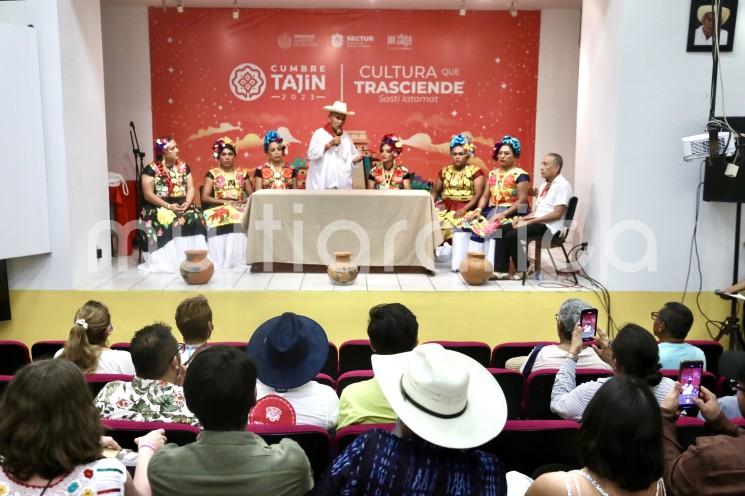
{"points": [[275, 179], [503, 186], [104, 476], [163, 225], [145, 400], [392, 178], [458, 188], [227, 185]]}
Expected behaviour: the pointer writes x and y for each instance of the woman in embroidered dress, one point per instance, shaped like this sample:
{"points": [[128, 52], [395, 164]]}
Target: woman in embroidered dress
{"points": [[461, 185], [171, 222], [50, 438], [620, 443], [86, 346], [386, 173], [224, 195], [506, 195], [275, 173]]}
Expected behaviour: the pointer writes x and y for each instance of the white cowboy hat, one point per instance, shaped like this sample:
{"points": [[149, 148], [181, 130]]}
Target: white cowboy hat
{"points": [[338, 107], [443, 396], [705, 9]]}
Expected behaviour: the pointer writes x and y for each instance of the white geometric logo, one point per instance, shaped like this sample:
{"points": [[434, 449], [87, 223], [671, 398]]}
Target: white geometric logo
{"points": [[337, 40], [247, 82]]}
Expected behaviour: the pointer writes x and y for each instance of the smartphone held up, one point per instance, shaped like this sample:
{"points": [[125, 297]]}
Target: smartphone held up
{"points": [[588, 321]]}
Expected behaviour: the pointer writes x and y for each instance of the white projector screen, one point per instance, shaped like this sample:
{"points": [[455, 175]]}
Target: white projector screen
{"points": [[23, 178]]}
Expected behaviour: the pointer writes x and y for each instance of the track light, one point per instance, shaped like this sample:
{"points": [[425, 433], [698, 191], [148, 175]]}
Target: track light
{"points": [[513, 8], [462, 12], [236, 12], [180, 6]]}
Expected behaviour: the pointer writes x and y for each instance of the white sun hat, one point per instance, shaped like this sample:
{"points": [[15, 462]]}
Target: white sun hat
{"points": [[339, 107], [443, 396]]}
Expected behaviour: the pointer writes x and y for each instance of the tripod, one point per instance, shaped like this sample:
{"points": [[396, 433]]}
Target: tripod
{"points": [[139, 157]]}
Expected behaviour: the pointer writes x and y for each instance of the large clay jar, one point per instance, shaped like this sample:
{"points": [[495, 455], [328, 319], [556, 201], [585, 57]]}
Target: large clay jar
{"points": [[343, 271], [475, 269], [197, 268]]}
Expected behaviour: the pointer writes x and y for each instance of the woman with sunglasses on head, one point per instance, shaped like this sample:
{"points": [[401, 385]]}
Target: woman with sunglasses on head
{"points": [[170, 222], [224, 196], [87, 345], [275, 173]]}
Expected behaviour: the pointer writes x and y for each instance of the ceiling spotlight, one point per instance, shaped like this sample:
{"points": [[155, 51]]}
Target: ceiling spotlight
{"points": [[180, 6], [236, 12], [513, 8], [462, 12], [163, 5]]}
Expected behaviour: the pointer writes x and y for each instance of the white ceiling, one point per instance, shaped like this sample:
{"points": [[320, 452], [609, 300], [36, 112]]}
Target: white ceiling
{"points": [[365, 4]]}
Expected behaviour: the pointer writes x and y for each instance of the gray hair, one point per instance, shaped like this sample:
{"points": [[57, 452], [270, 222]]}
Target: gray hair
{"points": [[568, 315]]}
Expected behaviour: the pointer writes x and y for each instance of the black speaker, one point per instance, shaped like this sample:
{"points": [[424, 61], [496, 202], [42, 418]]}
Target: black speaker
{"points": [[4, 292], [717, 186]]}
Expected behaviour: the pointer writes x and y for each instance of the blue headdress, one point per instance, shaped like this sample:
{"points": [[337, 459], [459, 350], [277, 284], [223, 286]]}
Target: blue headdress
{"points": [[273, 136], [464, 141], [510, 141]]}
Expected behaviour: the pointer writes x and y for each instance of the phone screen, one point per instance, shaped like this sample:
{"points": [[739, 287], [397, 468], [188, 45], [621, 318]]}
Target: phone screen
{"points": [[690, 382], [588, 321]]}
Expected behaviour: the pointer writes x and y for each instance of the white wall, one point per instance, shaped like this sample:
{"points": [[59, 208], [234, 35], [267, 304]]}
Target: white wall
{"points": [[126, 56], [637, 97], [73, 109], [556, 108]]}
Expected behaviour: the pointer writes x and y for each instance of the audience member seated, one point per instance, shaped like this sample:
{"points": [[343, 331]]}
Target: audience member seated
{"points": [[446, 403], [170, 223], [392, 329], [50, 438], [289, 351], [547, 218], [194, 322], [553, 356], [671, 325], [155, 394], [619, 443], [224, 196], [86, 346], [220, 388], [713, 465], [634, 353]]}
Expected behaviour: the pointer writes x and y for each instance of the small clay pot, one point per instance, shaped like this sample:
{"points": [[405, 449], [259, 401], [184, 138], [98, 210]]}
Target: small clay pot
{"points": [[342, 271], [475, 269], [197, 268]]}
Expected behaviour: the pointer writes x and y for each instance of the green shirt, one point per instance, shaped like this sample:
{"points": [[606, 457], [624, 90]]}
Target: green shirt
{"points": [[228, 463], [364, 403]]}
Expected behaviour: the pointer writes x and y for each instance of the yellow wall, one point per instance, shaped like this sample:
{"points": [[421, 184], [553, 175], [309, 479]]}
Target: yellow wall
{"points": [[481, 316]]}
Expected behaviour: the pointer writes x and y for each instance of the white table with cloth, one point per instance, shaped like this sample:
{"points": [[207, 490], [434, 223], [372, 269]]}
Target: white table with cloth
{"points": [[392, 230]]}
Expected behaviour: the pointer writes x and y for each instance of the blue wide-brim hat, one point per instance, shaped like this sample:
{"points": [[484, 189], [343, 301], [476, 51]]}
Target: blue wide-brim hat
{"points": [[288, 350]]}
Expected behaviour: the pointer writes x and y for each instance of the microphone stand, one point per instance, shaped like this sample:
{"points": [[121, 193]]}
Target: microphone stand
{"points": [[139, 157]]}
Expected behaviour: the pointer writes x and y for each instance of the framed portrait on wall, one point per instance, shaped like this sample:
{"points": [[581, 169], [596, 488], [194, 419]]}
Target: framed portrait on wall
{"points": [[701, 25]]}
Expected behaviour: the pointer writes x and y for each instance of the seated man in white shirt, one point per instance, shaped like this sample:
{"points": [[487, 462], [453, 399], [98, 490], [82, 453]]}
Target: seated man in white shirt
{"points": [[552, 356], [289, 351], [547, 217], [331, 152]]}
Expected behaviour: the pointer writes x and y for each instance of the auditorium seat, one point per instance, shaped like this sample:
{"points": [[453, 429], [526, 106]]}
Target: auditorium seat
{"points": [[505, 351], [120, 346], [351, 377], [511, 382], [314, 440], [724, 387], [124, 432], [42, 350], [96, 382], [712, 351], [525, 445], [346, 435], [13, 356], [688, 429], [331, 367], [326, 380], [239, 345], [708, 380], [355, 355], [481, 352], [4, 381], [538, 386]]}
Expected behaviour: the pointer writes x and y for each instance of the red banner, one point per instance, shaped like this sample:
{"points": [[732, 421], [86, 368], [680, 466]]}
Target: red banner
{"points": [[424, 75]]}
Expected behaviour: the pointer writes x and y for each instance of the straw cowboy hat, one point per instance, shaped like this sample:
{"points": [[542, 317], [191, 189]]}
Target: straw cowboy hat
{"points": [[338, 107], [443, 396], [705, 9], [288, 350]]}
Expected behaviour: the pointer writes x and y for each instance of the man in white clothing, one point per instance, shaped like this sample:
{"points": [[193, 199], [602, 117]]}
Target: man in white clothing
{"points": [[332, 152]]}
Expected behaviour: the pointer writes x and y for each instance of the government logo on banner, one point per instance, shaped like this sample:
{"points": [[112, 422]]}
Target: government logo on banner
{"points": [[247, 82]]}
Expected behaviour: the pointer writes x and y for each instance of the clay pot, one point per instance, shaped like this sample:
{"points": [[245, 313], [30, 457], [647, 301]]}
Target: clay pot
{"points": [[197, 268], [475, 269], [343, 271]]}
